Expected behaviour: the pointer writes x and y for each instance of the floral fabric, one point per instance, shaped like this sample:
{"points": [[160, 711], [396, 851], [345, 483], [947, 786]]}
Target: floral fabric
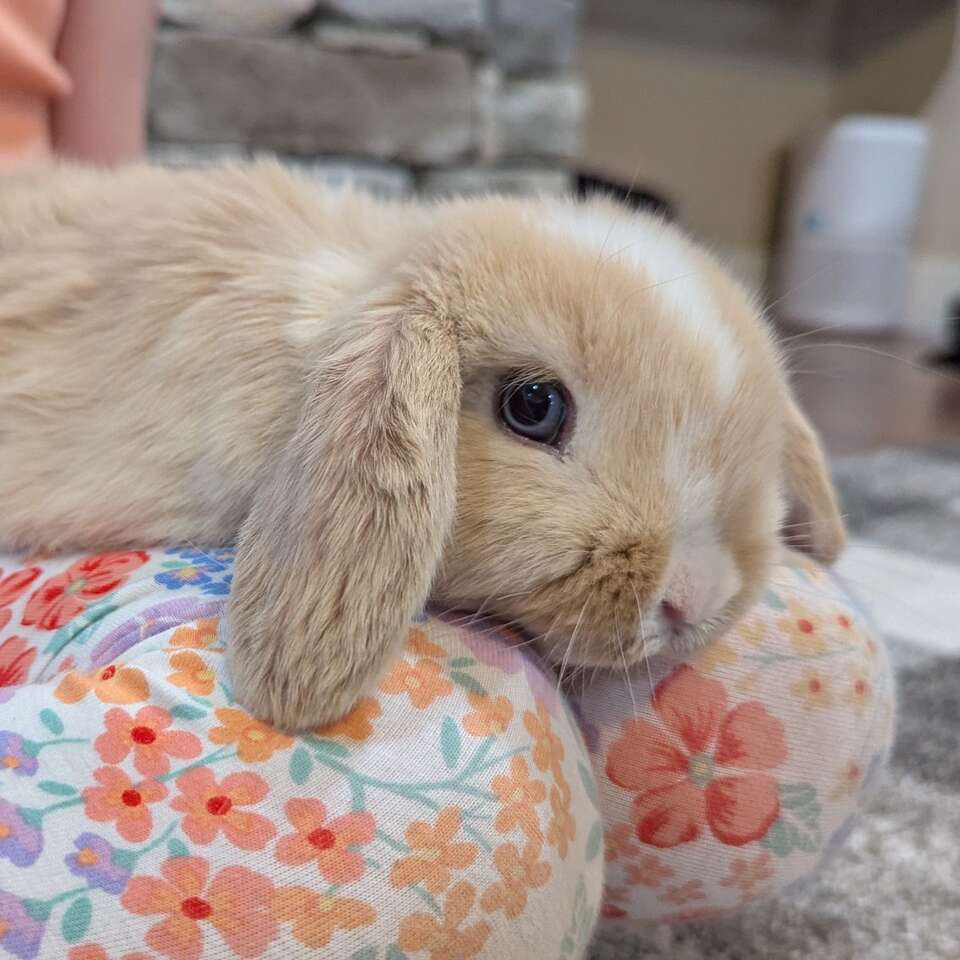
{"points": [[459, 810]]}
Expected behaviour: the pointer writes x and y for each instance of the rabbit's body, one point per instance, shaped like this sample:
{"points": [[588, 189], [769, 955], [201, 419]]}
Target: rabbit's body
{"points": [[155, 334], [240, 354]]}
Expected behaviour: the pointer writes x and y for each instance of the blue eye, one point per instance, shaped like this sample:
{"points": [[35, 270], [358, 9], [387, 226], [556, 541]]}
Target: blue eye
{"points": [[536, 410]]}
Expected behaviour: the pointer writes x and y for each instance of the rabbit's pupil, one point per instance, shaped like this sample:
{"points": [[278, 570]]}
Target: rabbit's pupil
{"points": [[535, 410]]}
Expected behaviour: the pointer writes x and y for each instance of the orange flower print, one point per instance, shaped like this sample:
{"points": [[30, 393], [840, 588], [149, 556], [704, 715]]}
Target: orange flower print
{"points": [[357, 724], [647, 872], [255, 741], [145, 735], [192, 673], [448, 939], [702, 765], [562, 827], [619, 841], [803, 629], [318, 916], [235, 903], [518, 795], [197, 635], [685, 893], [61, 598], [747, 874], [813, 688], [848, 781], [547, 747], [93, 951], [212, 808], [329, 843], [490, 716], [433, 854], [421, 683], [110, 684], [418, 643], [859, 692], [715, 656], [518, 874], [117, 799]]}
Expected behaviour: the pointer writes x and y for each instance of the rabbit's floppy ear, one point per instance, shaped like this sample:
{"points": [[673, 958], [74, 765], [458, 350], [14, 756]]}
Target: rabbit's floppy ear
{"points": [[339, 550], [814, 523]]}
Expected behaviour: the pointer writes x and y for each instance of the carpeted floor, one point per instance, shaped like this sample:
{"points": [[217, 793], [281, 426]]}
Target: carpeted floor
{"points": [[893, 893]]}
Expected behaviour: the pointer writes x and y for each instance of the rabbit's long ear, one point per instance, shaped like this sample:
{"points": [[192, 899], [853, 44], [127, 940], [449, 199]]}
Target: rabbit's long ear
{"points": [[340, 548], [814, 523]]}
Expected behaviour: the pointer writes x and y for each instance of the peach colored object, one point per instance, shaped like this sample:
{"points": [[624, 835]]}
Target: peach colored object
{"points": [[30, 77]]}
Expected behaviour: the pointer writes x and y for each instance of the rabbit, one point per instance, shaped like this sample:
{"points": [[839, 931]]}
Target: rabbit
{"points": [[561, 412]]}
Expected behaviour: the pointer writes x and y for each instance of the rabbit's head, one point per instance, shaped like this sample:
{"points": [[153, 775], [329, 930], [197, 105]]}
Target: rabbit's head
{"points": [[566, 415]]}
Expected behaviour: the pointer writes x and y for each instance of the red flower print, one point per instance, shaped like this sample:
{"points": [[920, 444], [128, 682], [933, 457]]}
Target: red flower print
{"points": [[146, 734], [702, 765], [236, 903], [62, 597], [16, 658], [11, 586], [118, 799], [328, 842], [211, 808], [110, 684]]}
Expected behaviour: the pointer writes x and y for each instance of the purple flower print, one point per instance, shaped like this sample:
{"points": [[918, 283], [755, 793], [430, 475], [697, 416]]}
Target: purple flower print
{"points": [[19, 842], [505, 649], [93, 862], [14, 757], [151, 621], [20, 934]]}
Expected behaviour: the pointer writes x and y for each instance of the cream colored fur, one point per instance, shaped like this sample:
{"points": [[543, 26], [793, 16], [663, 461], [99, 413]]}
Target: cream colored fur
{"points": [[238, 354]]}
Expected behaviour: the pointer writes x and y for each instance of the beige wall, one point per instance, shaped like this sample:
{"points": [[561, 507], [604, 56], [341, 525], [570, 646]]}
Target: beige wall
{"points": [[709, 128], [704, 127]]}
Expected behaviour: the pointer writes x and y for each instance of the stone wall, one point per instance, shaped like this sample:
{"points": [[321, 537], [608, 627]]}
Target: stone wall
{"points": [[401, 96]]}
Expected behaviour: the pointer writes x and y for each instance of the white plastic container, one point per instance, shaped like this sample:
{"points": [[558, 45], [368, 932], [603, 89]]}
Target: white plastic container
{"points": [[851, 206]]}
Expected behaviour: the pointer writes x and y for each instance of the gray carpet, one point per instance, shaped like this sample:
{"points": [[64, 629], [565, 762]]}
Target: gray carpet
{"points": [[893, 892]]}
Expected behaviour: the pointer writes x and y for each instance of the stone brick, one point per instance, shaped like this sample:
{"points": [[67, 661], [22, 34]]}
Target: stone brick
{"points": [[349, 36], [288, 95], [381, 179], [195, 154], [535, 36], [535, 118], [514, 180], [252, 17], [463, 20]]}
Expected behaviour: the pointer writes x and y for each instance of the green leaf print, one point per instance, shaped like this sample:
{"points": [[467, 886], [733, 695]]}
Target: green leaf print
{"points": [[468, 683], [301, 766], [594, 841], [57, 789], [183, 711], [364, 953], [331, 746], [80, 629], [395, 953], [798, 826], [772, 599], [51, 721], [589, 783], [125, 859], [450, 742], [76, 921], [460, 662], [177, 848]]}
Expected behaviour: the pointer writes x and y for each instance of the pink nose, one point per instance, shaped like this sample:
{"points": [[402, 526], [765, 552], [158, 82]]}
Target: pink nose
{"points": [[673, 614]]}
